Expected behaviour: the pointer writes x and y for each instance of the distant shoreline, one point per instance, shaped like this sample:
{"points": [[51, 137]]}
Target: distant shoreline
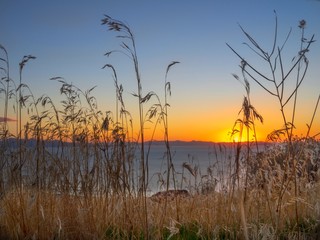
{"points": [[33, 142]]}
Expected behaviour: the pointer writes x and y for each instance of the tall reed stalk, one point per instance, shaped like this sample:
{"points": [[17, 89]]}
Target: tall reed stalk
{"points": [[22, 100], [129, 49], [4, 128], [276, 84], [6, 79]]}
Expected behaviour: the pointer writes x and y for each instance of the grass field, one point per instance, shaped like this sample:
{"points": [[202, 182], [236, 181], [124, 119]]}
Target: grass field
{"points": [[92, 181]]}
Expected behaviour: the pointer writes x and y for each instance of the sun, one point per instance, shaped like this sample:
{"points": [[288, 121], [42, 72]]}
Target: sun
{"points": [[226, 136], [223, 136]]}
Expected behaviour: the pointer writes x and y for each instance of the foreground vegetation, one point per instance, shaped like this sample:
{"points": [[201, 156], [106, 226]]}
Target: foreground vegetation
{"points": [[79, 173], [46, 215]]}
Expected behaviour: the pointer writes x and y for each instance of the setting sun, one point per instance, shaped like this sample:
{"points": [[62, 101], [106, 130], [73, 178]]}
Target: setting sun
{"points": [[226, 136]]}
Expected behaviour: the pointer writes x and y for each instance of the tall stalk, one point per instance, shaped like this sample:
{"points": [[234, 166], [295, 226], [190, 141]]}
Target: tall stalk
{"points": [[167, 91], [302, 25], [247, 124], [4, 130], [274, 62], [7, 80], [160, 111], [131, 51], [24, 60]]}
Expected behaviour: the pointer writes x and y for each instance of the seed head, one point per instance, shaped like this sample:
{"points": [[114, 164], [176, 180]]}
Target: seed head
{"points": [[302, 24]]}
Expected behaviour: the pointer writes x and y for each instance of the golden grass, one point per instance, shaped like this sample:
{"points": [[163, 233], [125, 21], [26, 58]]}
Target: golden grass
{"points": [[31, 214]]}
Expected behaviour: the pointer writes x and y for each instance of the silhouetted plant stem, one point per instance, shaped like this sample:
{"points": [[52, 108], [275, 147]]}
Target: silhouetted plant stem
{"points": [[283, 98], [170, 167], [5, 130], [24, 60], [7, 80], [313, 116], [131, 52], [301, 26]]}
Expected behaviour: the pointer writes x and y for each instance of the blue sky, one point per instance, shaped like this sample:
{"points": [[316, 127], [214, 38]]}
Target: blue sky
{"points": [[69, 41]]}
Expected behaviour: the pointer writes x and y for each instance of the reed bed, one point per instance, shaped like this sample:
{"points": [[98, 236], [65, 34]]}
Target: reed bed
{"points": [[45, 215], [75, 172]]}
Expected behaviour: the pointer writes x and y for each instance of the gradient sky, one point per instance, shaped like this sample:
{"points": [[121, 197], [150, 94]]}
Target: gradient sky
{"points": [[69, 41]]}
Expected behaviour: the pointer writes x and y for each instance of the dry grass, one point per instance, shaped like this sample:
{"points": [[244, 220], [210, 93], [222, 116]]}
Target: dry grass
{"points": [[31, 214]]}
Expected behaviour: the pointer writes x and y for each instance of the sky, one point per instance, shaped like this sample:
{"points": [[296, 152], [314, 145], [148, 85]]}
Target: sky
{"points": [[68, 41]]}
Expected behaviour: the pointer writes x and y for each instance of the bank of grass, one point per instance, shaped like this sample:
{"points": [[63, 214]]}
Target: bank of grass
{"points": [[76, 172], [33, 214]]}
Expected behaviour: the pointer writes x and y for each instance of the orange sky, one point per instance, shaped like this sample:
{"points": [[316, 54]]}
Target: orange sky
{"points": [[210, 128]]}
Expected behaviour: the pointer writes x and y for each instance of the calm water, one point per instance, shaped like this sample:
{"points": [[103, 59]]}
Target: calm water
{"points": [[211, 163], [195, 164]]}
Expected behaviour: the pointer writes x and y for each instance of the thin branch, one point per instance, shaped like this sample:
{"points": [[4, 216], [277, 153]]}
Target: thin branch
{"points": [[242, 59], [299, 59], [265, 55], [313, 116], [298, 85], [282, 75], [275, 34], [273, 94]]}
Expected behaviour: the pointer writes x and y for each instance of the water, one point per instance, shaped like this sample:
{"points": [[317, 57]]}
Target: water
{"points": [[194, 164], [197, 166]]}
